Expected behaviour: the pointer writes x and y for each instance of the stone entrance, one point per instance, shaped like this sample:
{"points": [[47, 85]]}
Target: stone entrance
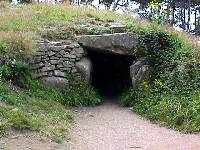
{"points": [[110, 72], [107, 61]]}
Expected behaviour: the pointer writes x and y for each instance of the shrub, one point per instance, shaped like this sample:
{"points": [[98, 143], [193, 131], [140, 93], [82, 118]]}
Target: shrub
{"points": [[171, 95], [15, 71], [80, 93]]}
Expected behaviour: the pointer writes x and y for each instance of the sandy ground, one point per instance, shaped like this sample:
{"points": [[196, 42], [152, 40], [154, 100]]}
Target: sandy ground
{"points": [[111, 127], [108, 127]]}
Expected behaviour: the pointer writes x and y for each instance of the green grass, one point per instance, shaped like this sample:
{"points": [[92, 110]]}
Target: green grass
{"points": [[38, 108], [35, 112], [22, 24], [171, 96]]}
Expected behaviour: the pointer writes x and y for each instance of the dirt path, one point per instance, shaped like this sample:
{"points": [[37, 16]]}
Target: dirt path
{"points": [[111, 127], [108, 127]]}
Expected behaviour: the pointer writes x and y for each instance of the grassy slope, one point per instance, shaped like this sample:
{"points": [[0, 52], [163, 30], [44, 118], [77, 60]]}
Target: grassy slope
{"points": [[38, 109], [35, 110], [20, 25]]}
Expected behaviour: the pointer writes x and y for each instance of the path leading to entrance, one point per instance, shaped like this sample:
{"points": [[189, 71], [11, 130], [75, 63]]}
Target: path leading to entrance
{"points": [[111, 127], [108, 127]]}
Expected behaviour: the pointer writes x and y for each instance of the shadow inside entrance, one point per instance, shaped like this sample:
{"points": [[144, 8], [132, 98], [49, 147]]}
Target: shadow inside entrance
{"points": [[110, 73]]}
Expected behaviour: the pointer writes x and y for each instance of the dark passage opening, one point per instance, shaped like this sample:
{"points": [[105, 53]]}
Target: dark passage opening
{"points": [[110, 73]]}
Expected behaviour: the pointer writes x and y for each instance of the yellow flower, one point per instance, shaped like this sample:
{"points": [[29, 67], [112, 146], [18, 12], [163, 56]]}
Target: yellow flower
{"points": [[159, 83]]}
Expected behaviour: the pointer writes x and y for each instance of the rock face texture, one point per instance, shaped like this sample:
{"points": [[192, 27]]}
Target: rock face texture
{"points": [[139, 71], [120, 43], [55, 60], [84, 66]]}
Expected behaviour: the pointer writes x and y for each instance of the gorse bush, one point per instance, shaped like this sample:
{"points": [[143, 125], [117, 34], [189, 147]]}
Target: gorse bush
{"points": [[171, 96]]}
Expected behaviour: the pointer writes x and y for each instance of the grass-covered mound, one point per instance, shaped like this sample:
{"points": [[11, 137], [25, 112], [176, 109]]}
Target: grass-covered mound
{"points": [[172, 95], [21, 25]]}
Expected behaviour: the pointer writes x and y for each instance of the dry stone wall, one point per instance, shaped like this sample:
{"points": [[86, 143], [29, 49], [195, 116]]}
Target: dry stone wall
{"points": [[55, 60]]}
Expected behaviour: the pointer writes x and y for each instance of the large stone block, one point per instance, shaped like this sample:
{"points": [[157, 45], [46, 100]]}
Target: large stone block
{"points": [[139, 71], [121, 43], [56, 82], [84, 67]]}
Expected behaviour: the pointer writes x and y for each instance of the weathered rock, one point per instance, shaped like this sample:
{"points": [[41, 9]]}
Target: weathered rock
{"points": [[49, 68], [62, 52], [118, 27], [79, 51], [54, 43], [68, 64], [56, 82], [121, 43], [37, 59], [59, 73], [37, 66], [139, 71], [56, 48], [54, 62], [84, 66], [40, 74], [50, 53]]}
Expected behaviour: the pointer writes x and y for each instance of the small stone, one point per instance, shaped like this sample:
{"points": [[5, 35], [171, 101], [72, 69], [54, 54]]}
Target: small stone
{"points": [[37, 66], [65, 69], [62, 52], [59, 66], [50, 74], [65, 59], [75, 45], [47, 64], [40, 74], [44, 69], [68, 64], [56, 48], [54, 43], [58, 55], [78, 58], [72, 56], [68, 47], [66, 56], [37, 59], [39, 53], [54, 58], [53, 62], [74, 70], [59, 73], [67, 42], [50, 53], [118, 27], [73, 60]]}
